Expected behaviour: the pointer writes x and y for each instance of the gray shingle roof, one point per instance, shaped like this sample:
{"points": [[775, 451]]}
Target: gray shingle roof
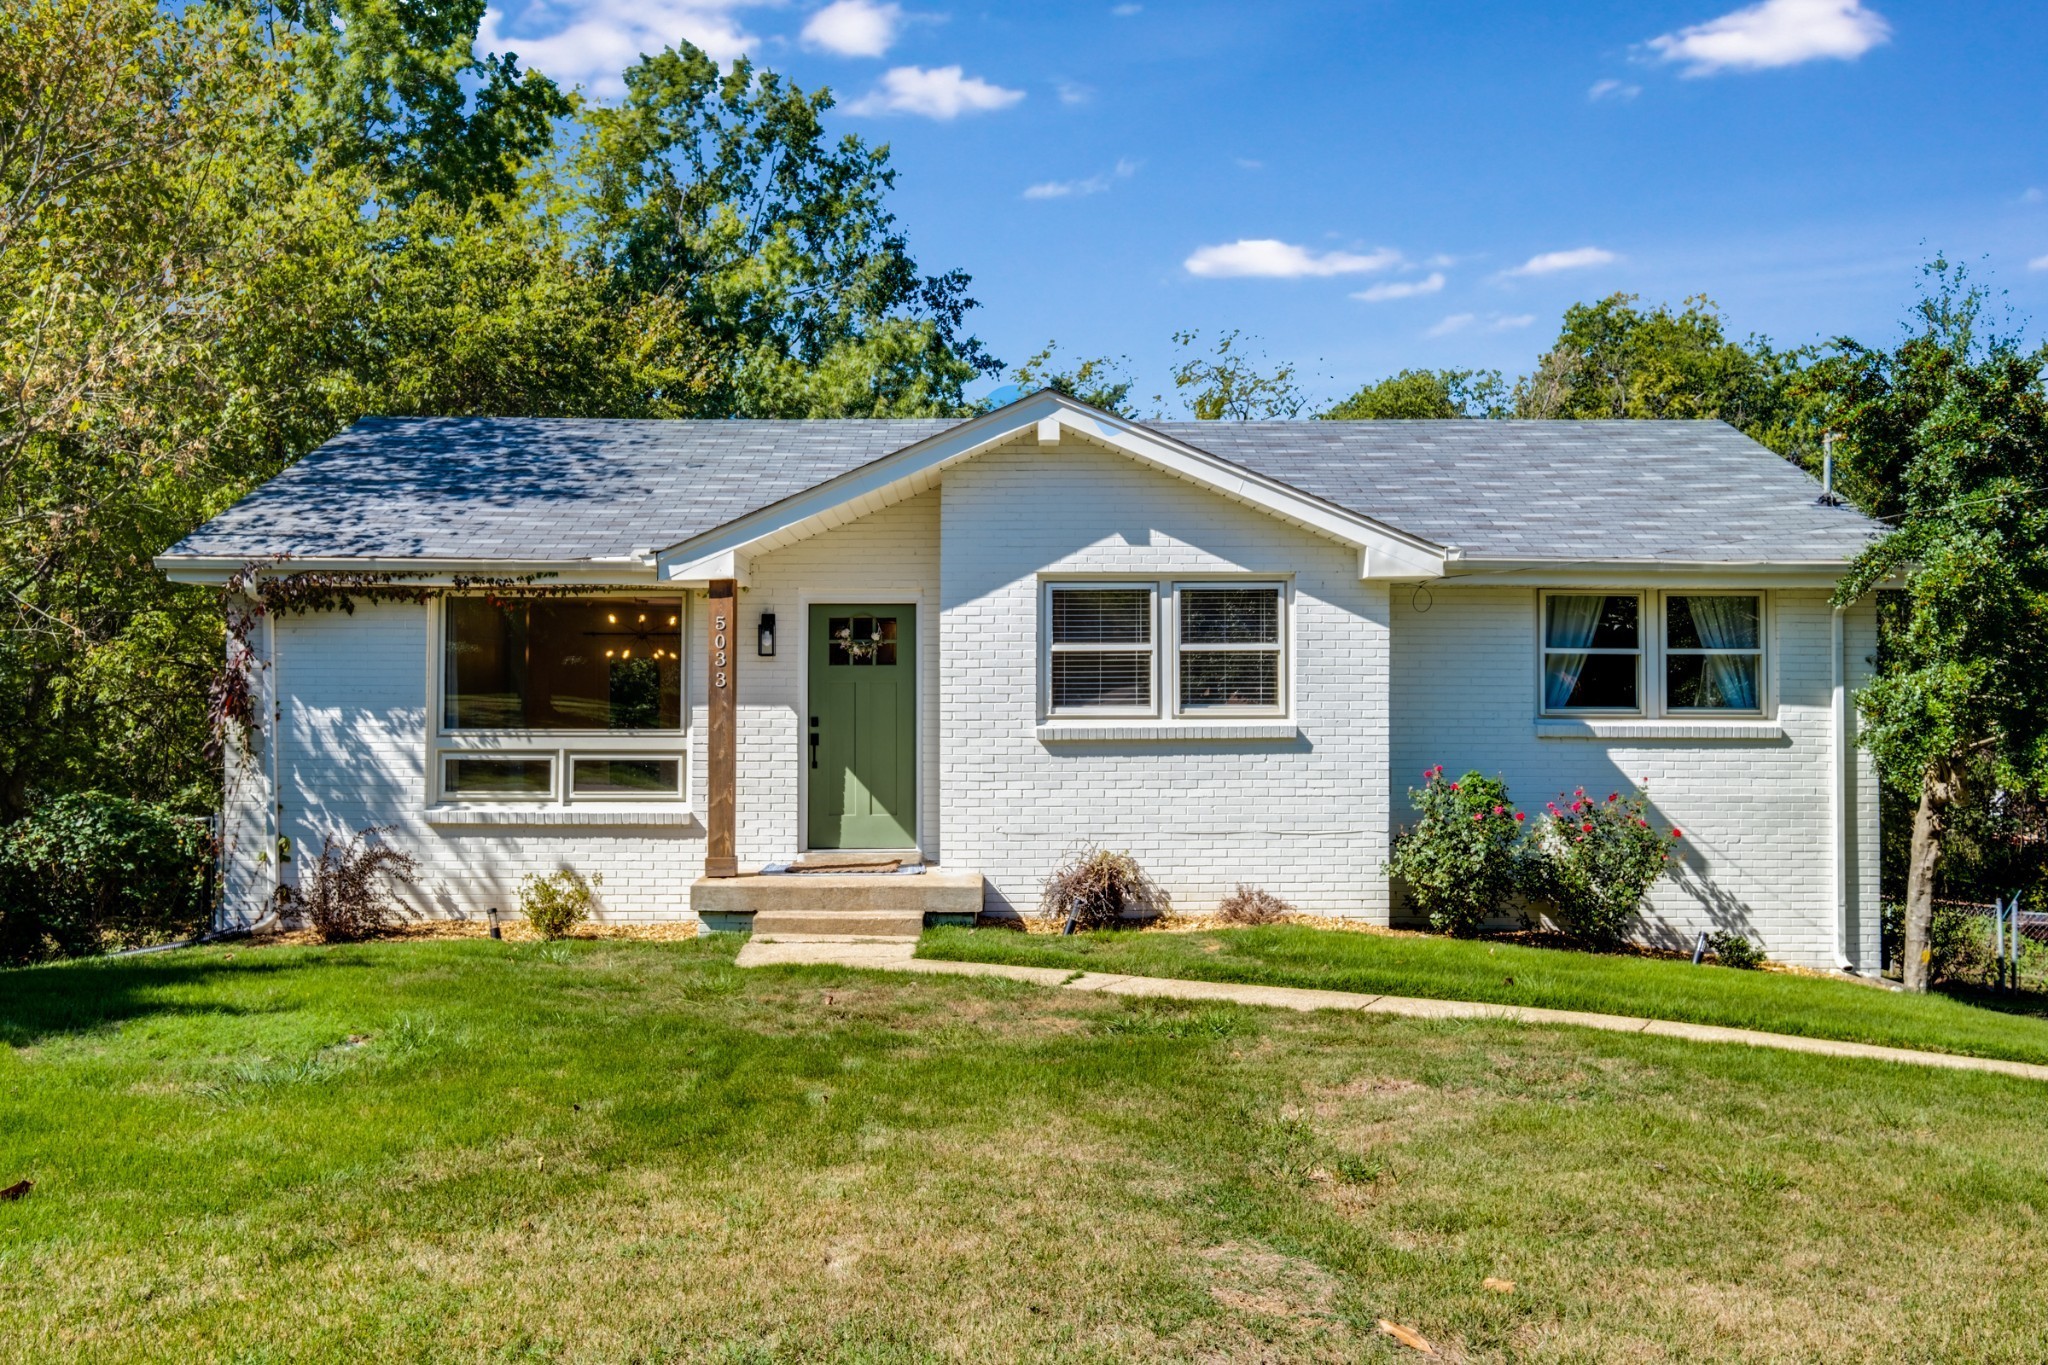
{"points": [[532, 489]]}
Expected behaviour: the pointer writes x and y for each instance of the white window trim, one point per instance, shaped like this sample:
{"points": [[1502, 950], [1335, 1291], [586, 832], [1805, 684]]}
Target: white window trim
{"points": [[1644, 605], [1665, 652], [560, 747], [1283, 690], [1652, 650], [1156, 648], [1165, 712]]}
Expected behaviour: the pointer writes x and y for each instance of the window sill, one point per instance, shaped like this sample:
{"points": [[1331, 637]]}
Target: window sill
{"points": [[1668, 728], [652, 813], [1142, 730]]}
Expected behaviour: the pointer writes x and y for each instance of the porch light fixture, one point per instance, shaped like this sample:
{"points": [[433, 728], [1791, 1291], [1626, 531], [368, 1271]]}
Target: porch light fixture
{"points": [[767, 641]]}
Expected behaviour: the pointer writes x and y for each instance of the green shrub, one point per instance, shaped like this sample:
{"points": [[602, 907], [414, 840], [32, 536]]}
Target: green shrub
{"points": [[1463, 859], [558, 902], [1094, 888], [1959, 949], [90, 872], [1734, 950], [1598, 859]]}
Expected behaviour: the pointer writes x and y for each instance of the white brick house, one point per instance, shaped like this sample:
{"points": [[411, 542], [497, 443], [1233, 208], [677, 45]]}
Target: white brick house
{"points": [[1230, 649]]}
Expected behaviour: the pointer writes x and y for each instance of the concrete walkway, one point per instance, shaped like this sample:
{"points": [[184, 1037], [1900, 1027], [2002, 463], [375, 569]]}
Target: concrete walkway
{"points": [[899, 955]]}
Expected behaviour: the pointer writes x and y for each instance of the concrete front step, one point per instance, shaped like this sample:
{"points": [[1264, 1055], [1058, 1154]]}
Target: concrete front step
{"points": [[837, 924], [861, 905]]}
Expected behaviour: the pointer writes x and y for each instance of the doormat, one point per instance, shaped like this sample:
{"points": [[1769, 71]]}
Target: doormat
{"points": [[870, 864]]}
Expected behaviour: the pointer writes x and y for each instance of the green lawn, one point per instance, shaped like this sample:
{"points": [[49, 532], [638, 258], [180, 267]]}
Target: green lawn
{"points": [[612, 1151], [1471, 969]]}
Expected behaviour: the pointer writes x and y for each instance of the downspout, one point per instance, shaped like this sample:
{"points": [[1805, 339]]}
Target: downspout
{"points": [[275, 797], [1841, 802]]}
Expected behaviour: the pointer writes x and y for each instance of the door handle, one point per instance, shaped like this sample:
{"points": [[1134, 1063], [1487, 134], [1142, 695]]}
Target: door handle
{"points": [[814, 748]]}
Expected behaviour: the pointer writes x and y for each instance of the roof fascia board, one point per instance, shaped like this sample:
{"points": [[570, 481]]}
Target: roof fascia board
{"points": [[1389, 552], [217, 569], [1573, 572]]}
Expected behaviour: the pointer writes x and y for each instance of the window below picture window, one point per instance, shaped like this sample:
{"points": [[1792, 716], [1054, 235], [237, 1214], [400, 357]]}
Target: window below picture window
{"points": [[1713, 652], [475, 777], [1592, 652]]}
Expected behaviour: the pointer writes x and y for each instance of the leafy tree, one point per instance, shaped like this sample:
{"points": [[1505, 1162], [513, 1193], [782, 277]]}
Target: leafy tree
{"points": [[1424, 395], [395, 88], [1613, 359], [1101, 381], [721, 190], [1227, 383], [1946, 436]]}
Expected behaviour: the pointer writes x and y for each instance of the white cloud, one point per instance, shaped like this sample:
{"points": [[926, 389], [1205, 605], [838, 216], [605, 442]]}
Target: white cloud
{"points": [[1126, 11], [607, 36], [1270, 258], [2038, 263], [853, 28], [1402, 289], [1073, 92], [1550, 262], [1246, 163], [1775, 33], [1613, 90], [940, 92], [1094, 184], [1495, 322], [2032, 195]]}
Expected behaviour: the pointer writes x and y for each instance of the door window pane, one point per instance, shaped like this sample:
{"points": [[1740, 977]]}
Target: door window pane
{"points": [[860, 641], [563, 664]]}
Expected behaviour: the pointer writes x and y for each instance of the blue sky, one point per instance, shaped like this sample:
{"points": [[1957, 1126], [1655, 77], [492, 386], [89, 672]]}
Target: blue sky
{"points": [[1388, 183]]}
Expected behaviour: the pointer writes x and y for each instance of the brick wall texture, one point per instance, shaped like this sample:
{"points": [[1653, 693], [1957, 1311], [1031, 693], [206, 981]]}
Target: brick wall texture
{"points": [[1384, 682]]}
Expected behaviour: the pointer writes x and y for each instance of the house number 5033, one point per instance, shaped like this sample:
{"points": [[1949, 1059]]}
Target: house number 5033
{"points": [[718, 660]]}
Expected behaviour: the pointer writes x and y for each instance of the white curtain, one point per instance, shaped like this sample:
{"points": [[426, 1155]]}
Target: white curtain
{"points": [[1728, 623], [1572, 623]]}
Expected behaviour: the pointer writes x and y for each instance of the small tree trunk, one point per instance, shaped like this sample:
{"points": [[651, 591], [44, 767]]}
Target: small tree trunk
{"points": [[1937, 789]]}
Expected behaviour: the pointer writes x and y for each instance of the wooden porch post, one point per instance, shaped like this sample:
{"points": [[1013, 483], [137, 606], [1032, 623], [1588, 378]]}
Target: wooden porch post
{"points": [[722, 760]]}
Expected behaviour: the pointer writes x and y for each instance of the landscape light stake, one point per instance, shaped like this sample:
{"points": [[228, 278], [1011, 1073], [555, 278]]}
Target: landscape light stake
{"points": [[1699, 948], [492, 914]]}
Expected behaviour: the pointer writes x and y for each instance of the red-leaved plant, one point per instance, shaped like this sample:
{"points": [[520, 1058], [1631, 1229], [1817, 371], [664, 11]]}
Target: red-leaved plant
{"points": [[1597, 860]]}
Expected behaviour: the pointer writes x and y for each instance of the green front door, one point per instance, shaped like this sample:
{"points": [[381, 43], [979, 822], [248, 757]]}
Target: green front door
{"points": [[862, 741]]}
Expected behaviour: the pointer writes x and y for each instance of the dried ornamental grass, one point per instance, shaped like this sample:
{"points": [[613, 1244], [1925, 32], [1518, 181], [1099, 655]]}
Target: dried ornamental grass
{"points": [[1094, 888], [1252, 905]]}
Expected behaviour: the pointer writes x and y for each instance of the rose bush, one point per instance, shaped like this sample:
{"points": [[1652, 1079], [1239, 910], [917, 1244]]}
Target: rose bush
{"points": [[1596, 860], [1462, 861]]}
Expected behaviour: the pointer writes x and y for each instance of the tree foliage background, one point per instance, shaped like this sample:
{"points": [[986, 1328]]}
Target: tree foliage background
{"points": [[228, 230]]}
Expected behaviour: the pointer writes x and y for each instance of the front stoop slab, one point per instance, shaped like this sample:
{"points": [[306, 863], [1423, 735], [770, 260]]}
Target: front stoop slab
{"points": [[836, 905]]}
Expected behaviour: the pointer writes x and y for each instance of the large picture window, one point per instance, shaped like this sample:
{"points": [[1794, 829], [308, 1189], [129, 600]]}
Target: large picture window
{"points": [[609, 664]]}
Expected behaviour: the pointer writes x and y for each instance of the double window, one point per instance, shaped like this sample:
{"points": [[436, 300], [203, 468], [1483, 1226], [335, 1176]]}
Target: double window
{"points": [[561, 699], [1696, 652], [1212, 647]]}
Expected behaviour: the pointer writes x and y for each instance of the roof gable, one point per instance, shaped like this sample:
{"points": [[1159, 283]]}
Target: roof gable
{"points": [[1046, 417]]}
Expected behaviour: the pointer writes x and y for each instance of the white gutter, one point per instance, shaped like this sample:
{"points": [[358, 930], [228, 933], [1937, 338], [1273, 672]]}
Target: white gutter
{"points": [[1840, 796], [635, 568]]}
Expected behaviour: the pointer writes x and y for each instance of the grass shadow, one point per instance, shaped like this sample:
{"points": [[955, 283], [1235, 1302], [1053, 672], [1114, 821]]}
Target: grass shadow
{"points": [[38, 1003]]}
